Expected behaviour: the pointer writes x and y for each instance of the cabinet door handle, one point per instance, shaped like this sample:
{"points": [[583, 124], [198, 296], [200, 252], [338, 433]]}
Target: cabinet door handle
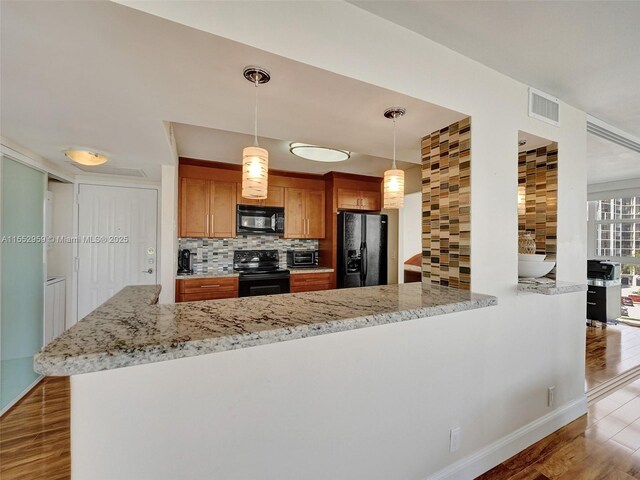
{"points": [[206, 233], [209, 286], [212, 224]]}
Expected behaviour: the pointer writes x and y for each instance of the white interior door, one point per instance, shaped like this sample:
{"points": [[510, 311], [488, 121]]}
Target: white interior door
{"points": [[117, 241]]}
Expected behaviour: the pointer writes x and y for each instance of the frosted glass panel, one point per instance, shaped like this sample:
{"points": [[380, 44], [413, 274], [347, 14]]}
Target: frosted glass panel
{"points": [[22, 278]]}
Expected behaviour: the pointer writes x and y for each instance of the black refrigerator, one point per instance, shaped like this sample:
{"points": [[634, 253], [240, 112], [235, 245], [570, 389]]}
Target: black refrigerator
{"points": [[362, 249]]}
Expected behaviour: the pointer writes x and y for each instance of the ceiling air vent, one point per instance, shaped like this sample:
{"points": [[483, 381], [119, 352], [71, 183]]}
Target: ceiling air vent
{"points": [[107, 170], [544, 107]]}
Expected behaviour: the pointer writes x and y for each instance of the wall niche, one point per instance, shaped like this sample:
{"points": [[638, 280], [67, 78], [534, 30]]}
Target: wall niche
{"points": [[537, 198]]}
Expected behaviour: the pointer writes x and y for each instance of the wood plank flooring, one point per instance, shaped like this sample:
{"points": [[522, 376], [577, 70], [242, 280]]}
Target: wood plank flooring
{"points": [[610, 352], [604, 444], [35, 437], [35, 434]]}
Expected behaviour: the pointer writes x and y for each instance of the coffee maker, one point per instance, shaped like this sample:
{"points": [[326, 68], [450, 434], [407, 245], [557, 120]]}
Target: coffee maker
{"points": [[184, 262]]}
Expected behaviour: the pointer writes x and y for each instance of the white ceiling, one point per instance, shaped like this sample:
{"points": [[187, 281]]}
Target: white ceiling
{"points": [[223, 146], [105, 76], [583, 52], [609, 162]]}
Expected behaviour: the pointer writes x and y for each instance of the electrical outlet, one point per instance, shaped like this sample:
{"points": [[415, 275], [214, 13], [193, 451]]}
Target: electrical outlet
{"points": [[454, 439], [551, 396]]}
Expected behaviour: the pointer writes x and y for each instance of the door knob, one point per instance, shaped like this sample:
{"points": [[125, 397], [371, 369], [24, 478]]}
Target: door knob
{"points": [[148, 271]]}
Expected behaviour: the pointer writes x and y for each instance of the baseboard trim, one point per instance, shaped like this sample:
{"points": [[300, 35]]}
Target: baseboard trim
{"points": [[600, 391], [488, 457]]}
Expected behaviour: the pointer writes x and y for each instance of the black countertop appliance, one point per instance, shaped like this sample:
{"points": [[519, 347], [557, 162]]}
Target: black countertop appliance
{"points": [[184, 262]]}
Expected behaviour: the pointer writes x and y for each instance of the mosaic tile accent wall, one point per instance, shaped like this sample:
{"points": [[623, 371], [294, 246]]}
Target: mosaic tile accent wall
{"points": [[446, 206], [538, 187], [215, 255]]}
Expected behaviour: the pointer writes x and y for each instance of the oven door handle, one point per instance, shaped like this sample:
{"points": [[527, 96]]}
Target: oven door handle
{"points": [[262, 276]]}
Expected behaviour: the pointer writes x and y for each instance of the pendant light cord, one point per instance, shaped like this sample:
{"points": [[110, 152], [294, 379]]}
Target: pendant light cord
{"points": [[394, 143], [255, 121]]}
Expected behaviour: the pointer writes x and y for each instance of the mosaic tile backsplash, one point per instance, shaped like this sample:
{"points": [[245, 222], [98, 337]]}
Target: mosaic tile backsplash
{"points": [[538, 196], [215, 255], [446, 206]]}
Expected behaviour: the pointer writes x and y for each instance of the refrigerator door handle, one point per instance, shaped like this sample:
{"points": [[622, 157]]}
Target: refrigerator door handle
{"points": [[364, 261]]}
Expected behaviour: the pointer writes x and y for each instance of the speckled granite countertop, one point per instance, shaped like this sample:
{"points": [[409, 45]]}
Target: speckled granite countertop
{"points": [[546, 286], [294, 271], [124, 331]]}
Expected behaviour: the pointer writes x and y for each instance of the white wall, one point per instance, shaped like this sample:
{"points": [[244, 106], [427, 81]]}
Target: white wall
{"points": [[339, 37], [411, 226], [168, 233], [375, 403], [60, 256]]}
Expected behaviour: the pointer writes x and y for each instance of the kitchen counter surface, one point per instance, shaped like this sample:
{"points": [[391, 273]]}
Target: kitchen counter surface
{"points": [[546, 286], [294, 271], [127, 331], [207, 275]]}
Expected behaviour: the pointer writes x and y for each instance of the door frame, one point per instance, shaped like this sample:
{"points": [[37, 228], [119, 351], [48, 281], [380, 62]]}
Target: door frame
{"points": [[76, 228]]}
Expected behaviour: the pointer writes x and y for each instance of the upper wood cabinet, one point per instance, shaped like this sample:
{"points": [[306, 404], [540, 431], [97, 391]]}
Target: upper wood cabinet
{"points": [[207, 208], [194, 207], [304, 212], [349, 199], [275, 197]]}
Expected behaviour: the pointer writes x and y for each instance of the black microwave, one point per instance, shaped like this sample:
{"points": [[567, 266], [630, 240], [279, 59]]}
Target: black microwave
{"points": [[255, 220], [302, 258]]}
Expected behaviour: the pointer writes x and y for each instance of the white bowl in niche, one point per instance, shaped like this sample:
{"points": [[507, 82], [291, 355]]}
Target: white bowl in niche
{"points": [[531, 257], [535, 269]]}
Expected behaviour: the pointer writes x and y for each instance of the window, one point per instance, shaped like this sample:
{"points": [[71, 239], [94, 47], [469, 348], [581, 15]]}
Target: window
{"points": [[617, 224], [615, 229]]}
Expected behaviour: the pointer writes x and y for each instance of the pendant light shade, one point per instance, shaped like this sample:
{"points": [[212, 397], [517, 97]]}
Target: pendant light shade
{"points": [[255, 167], [393, 189], [393, 184], [255, 160]]}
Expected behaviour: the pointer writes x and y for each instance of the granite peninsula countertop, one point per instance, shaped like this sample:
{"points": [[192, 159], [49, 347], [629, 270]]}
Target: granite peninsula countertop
{"points": [[127, 331]]}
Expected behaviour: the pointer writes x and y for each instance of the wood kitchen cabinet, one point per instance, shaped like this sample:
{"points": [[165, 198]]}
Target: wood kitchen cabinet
{"points": [[207, 208], [304, 213], [196, 289], [349, 199], [311, 282], [275, 197]]}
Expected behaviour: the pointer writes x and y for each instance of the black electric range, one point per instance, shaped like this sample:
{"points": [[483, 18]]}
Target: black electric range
{"points": [[259, 273]]}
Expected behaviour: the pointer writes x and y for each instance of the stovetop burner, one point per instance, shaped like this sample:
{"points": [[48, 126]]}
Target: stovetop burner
{"points": [[257, 262]]}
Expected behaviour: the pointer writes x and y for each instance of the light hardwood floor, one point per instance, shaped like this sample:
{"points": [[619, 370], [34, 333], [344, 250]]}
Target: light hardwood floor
{"points": [[604, 444], [34, 435], [610, 352], [35, 438]]}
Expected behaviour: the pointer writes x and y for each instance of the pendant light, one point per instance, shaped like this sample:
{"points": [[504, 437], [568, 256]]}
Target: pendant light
{"points": [[394, 179], [255, 160]]}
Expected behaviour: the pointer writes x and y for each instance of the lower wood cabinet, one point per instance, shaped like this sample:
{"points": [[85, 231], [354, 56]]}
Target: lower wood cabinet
{"points": [[194, 289], [310, 282]]}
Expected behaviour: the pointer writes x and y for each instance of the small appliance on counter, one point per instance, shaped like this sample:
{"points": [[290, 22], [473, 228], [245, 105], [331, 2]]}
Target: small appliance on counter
{"points": [[604, 290], [184, 262], [256, 220], [302, 258], [260, 273]]}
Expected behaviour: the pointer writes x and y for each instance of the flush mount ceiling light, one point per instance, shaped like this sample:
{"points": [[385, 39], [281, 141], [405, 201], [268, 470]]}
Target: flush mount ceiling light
{"points": [[317, 153], [255, 160], [393, 184], [85, 157]]}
